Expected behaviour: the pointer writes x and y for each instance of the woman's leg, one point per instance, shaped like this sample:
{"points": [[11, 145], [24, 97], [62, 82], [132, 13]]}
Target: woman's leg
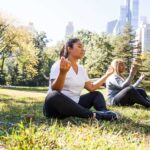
{"points": [[138, 98], [123, 97], [95, 99], [130, 96], [60, 106], [143, 93]]}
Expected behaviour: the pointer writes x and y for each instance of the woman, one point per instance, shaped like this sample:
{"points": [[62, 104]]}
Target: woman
{"points": [[120, 90], [68, 78]]}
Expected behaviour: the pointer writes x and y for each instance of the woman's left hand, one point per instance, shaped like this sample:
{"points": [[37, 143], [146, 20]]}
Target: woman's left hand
{"points": [[109, 71], [142, 76]]}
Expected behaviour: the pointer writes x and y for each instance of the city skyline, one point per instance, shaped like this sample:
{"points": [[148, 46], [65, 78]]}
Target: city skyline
{"points": [[129, 14], [53, 16]]}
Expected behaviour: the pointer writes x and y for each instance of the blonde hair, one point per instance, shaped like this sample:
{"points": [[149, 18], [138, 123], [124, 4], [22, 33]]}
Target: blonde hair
{"points": [[115, 63]]}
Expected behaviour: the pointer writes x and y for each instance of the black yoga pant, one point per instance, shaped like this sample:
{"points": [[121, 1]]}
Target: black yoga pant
{"points": [[130, 96], [57, 105]]}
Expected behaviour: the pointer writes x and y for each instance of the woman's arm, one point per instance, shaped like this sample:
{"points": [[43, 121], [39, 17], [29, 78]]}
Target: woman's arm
{"points": [[117, 82], [139, 81], [58, 83], [127, 82], [92, 86]]}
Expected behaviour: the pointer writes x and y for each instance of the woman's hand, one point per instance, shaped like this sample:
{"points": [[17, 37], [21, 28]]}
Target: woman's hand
{"points": [[92, 86], [133, 70], [142, 76], [58, 83], [64, 65], [109, 71]]}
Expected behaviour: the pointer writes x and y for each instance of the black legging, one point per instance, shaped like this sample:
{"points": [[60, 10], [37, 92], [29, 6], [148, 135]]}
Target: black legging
{"points": [[57, 105], [130, 96]]}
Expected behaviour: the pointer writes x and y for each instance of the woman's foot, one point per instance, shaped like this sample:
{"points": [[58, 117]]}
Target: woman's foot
{"points": [[107, 115]]}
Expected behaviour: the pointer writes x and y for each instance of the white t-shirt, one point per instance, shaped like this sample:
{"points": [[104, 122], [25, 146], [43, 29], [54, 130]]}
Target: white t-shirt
{"points": [[74, 83]]}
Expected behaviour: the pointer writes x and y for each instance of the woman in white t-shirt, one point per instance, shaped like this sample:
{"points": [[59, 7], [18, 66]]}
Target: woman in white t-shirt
{"points": [[68, 78]]}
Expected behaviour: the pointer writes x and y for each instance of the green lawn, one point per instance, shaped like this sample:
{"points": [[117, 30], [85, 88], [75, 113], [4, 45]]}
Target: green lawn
{"points": [[131, 132], [26, 88]]}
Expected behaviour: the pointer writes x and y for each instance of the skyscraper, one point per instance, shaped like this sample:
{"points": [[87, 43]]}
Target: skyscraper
{"points": [[145, 37], [124, 18], [121, 22], [128, 16], [69, 29], [128, 12], [135, 14], [110, 26]]}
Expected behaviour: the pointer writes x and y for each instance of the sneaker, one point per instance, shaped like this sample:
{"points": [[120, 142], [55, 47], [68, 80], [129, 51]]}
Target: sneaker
{"points": [[107, 115], [147, 99]]}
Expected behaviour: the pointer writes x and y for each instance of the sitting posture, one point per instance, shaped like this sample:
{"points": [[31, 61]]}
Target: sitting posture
{"points": [[68, 78], [121, 91]]}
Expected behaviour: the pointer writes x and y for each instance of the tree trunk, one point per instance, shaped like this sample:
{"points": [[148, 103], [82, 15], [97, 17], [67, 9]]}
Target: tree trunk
{"points": [[2, 65]]}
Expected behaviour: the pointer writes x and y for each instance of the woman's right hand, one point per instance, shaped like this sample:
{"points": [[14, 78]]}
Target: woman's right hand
{"points": [[133, 70], [65, 65]]}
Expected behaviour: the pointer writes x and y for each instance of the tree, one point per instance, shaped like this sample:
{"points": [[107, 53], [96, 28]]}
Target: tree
{"points": [[40, 41], [124, 45], [16, 44], [145, 68], [98, 52]]}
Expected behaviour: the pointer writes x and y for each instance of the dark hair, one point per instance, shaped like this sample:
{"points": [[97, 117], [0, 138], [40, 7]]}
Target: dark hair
{"points": [[70, 44]]}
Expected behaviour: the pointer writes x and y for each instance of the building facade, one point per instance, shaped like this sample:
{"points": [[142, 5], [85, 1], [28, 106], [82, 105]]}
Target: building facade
{"points": [[69, 29]]}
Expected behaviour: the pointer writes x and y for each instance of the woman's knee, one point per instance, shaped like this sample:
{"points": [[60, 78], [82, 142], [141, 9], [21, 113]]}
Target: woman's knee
{"points": [[51, 95], [97, 93], [130, 89], [141, 90]]}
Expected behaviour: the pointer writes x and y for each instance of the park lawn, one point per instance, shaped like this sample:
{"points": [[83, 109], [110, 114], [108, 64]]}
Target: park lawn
{"points": [[26, 88], [131, 132]]}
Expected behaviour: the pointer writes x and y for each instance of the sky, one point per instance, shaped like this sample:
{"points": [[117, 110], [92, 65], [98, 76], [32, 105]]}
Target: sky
{"points": [[52, 16]]}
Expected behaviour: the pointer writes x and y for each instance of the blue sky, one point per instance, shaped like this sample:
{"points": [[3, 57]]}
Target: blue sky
{"points": [[52, 16]]}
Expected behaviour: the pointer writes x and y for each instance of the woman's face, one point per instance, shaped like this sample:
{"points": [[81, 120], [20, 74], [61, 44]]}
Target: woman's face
{"points": [[77, 51], [121, 67]]}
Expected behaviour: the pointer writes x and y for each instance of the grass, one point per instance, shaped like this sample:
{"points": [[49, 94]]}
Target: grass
{"points": [[131, 132], [26, 88]]}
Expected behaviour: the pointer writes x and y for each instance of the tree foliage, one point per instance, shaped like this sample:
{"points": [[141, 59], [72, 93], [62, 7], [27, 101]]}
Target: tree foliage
{"points": [[25, 58], [17, 51], [98, 52], [124, 45]]}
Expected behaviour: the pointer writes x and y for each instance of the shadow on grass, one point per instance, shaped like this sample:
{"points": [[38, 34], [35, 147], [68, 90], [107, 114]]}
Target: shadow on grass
{"points": [[13, 115], [137, 106]]}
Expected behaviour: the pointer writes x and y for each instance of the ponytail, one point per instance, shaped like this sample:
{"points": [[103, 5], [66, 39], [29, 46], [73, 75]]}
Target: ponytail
{"points": [[64, 52]]}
